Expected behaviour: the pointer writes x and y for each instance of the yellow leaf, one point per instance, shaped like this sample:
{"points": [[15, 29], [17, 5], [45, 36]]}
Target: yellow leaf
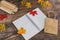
{"points": [[40, 1], [23, 2], [48, 3], [21, 31], [28, 5], [2, 27]]}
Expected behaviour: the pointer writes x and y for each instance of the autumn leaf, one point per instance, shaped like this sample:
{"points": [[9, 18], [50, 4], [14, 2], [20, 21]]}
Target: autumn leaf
{"points": [[40, 1], [28, 5], [21, 31], [23, 2], [2, 27], [48, 3]]}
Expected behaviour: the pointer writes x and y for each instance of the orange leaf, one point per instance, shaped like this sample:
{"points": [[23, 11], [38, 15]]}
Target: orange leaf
{"points": [[21, 31]]}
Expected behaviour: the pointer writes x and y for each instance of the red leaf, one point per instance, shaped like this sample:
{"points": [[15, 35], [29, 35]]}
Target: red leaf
{"points": [[3, 16], [33, 13]]}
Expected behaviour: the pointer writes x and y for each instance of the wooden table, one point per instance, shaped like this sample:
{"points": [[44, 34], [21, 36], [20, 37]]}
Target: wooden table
{"points": [[11, 31]]}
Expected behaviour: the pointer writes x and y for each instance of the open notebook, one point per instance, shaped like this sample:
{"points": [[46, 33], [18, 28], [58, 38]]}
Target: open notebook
{"points": [[33, 23]]}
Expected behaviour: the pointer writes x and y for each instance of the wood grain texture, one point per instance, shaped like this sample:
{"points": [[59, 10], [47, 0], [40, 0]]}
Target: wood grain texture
{"points": [[11, 32]]}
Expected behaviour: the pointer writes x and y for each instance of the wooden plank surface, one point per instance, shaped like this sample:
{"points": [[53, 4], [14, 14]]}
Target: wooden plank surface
{"points": [[11, 31]]}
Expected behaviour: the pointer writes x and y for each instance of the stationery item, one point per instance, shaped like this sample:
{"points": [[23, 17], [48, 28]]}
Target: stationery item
{"points": [[31, 23], [9, 5], [51, 25], [6, 9]]}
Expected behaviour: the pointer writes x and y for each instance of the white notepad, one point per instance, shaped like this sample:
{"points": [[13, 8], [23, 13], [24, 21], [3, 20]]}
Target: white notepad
{"points": [[32, 24]]}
